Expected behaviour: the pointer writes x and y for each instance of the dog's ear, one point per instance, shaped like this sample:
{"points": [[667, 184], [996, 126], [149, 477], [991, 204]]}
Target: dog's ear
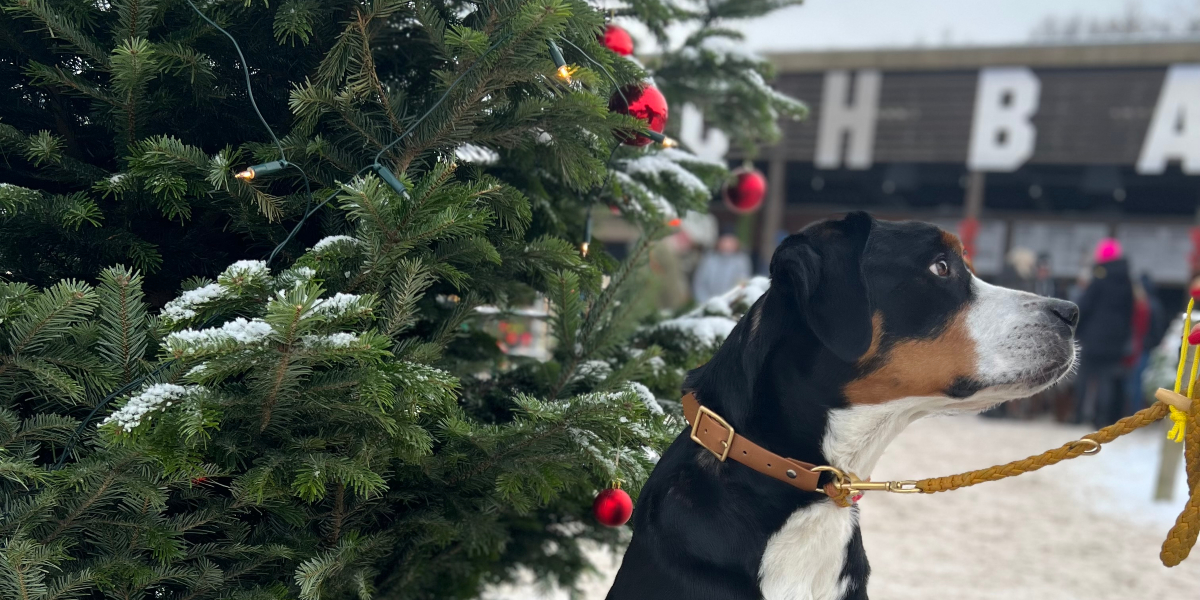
{"points": [[822, 269]]}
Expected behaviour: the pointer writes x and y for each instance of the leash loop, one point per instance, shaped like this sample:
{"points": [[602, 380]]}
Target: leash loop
{"points": [[1094, 446]]}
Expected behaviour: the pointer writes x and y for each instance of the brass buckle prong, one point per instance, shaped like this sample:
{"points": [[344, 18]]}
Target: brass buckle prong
{"points": [[728, 442]]}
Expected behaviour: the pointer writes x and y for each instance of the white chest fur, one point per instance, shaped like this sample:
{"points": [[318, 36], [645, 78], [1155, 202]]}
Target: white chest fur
{"points": [[804, 559]]}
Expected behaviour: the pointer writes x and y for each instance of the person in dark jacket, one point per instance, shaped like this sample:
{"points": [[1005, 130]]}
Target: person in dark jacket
{"points": [[1149, 326], [1104, 334]]}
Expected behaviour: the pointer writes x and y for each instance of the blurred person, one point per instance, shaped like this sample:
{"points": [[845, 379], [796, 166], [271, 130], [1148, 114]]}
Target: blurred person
{"points": [[1160, 319], [1043, 279], [700, 232], [1148, 327], [1019, 270], [1139, 330], [720, 269], [1082, 278], [1105, 337], [669, 281]]}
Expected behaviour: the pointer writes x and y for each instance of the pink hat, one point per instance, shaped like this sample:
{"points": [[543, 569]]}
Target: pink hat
{"points": [[1108, 249]]}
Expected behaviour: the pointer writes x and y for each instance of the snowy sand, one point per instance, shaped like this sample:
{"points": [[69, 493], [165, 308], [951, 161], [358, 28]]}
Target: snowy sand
{"points": [[1084, 529]]}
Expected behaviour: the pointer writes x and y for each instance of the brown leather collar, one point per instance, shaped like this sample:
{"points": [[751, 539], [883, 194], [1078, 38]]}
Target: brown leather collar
{"points": [[717, 436]]}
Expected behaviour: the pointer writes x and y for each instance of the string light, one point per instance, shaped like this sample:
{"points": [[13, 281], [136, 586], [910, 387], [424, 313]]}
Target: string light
{"points": [[587, 231], [659, 138], [390, 178], [263, 169], [564, 70]]}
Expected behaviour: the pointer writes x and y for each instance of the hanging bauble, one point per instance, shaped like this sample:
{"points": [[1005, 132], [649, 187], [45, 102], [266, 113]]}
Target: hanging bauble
{"points": [[745, 193], [618, 40], [645, 102], [612, 507]]}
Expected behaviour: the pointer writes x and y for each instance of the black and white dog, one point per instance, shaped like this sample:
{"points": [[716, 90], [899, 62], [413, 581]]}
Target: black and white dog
{"points": [[868, 325]]}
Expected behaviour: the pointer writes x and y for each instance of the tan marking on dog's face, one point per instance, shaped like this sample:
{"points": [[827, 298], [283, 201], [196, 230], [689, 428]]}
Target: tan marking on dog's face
{"points": [[955, 245], [952, 242], [876, 338], [924, 367]]}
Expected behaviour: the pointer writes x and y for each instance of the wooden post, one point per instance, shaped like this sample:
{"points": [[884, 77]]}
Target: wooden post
{"points": [[772, 215], [1168, 465], [972, 207]]}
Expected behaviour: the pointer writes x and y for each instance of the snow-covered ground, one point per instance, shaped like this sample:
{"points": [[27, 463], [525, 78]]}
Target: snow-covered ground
{"points": [[1084, 529]]}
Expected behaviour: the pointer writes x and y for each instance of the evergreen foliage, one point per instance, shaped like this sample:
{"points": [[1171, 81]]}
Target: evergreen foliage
{"points": [[337, 423]]}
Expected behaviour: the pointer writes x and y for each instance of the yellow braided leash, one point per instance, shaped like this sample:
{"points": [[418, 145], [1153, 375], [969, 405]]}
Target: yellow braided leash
{"points": [[1088, 444]]}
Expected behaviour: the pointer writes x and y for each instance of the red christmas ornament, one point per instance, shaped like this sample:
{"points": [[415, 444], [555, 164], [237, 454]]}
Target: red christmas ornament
{"points": [[746, 193], [1195, 292], [1194, 335], [644, 102], [612, 507], [617, 39]]}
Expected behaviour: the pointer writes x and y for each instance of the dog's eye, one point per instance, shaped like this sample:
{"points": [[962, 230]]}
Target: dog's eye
{"points": [[940, 268]]}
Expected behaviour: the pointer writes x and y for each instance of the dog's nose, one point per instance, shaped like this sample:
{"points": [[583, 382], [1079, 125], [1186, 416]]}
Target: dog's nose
{"points": [[1067, 311]]}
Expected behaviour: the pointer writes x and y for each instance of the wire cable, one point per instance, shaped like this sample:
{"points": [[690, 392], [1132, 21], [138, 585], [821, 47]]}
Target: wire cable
{"points": [[445, 94], [603, 69], [246, 73]]}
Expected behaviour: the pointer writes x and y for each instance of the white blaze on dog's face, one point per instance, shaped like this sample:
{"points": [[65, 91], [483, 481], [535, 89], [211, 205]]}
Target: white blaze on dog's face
{"points": [[924, 334], [1023, 342]]}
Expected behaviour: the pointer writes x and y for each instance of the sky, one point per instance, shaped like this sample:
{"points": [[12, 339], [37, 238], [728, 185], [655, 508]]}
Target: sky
{"points": [[848, 24]]}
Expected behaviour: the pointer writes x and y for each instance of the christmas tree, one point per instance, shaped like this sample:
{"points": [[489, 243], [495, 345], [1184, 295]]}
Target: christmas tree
{"points": [[291, 388]]}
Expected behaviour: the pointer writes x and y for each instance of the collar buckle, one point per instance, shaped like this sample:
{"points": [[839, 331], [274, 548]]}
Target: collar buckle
{"points": [[726, 444]]}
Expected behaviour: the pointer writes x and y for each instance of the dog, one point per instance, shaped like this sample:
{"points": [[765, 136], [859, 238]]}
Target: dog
{"points": [[867, 326]]}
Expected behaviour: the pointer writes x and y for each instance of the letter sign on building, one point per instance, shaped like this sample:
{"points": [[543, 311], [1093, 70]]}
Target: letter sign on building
{"points": [[853, 119], [1174, 132], [1002, 133]]}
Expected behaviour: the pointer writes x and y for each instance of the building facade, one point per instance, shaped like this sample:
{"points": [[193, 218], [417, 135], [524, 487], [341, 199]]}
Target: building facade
{"points": [[1045, 148]]}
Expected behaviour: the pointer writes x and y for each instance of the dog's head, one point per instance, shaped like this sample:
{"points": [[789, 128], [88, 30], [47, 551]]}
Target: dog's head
{"points": [[899, 302]]}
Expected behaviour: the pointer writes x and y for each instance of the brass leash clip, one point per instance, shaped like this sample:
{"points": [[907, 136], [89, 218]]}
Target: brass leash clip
{"points": [[850, 482]]}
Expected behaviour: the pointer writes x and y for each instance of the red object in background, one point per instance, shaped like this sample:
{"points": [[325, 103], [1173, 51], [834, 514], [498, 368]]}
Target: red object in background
{"points": [[642, 101], [612, 507], [617, 39], [1194, 335], [1139, 327], [746, 192], [968, 229]]}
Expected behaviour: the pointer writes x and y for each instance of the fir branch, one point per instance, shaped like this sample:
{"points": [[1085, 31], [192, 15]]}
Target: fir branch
{"points": [[59, 26]]}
